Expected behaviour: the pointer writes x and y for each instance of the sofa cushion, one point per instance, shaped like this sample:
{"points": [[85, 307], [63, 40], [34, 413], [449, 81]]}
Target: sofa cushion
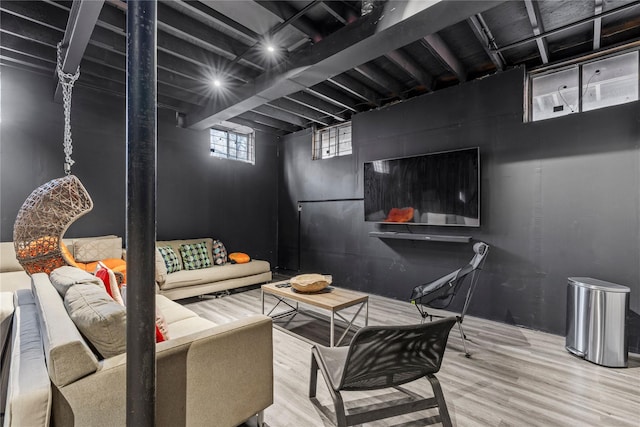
{"points": [[88, 250], [171, 260], [98, 317], [194, 256], [68, 356], [11, 281], [214, 274], [161, 268], [62, 278], [219, 253], [29, 392], [8, 260], [172, 311]]}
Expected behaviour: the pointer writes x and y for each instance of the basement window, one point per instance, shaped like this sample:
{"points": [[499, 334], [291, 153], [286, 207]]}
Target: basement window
{"points": [[237, 144], [332, 141], [585, 86]]}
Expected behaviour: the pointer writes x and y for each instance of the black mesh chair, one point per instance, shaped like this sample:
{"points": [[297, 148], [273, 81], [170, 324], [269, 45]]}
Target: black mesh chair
{"points": [[381, 357], [439, 293]]}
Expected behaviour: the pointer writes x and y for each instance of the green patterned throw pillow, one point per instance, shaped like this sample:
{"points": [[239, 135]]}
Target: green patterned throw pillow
{"points": [[195, 256], [170, 259]]}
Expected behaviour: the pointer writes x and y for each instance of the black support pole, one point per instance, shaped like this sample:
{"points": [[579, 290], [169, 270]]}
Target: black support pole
{"points": [[141, 212]]}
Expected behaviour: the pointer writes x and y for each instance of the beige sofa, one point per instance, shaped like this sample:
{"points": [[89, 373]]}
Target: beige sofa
{"points": [[204, 372], [217, 278], [177, 285]]}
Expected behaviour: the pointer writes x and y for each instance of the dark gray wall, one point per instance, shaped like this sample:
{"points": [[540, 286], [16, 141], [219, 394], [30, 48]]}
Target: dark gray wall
{"points": [[197, 195], [560, 198]]}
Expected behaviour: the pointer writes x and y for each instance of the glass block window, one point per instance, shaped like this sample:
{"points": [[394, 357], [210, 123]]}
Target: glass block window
{"points": [[585, 86], [227, 144], [332, 141]]}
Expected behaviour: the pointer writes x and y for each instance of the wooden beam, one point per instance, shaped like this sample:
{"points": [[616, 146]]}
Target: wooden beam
{"points": [[485, 37], [355, 88], [301, 111], [440, 49], [411, 67], [381, 79], [276, 113], [597, 25], [536, 24], [336, 97], [389, 27], [82, 20], [269, 121], [321, 106]]}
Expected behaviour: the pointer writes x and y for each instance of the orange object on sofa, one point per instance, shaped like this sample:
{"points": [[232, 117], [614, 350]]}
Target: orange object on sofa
{"points": [[400, 215], [117, 265], [239, 258]]}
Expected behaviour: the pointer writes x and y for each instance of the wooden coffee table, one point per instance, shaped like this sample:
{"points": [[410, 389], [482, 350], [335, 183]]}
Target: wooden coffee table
{"points": [[332, 299]]}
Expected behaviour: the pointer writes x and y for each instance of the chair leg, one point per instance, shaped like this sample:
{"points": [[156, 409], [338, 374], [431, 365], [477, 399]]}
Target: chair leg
{"points": [[464, 338], [260, 419], [313, 375], [442, 405], [338, 404]]}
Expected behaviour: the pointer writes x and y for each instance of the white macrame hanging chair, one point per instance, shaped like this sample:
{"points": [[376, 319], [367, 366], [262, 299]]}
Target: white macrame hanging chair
{"points": [[51, 208]]}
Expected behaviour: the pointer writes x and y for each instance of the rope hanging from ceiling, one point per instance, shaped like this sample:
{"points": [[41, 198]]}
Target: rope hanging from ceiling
{"points": [[51, 208]]}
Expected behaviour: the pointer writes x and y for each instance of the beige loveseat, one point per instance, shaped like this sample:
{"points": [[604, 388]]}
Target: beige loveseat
{"points": [[205, 372], [189, 283]]}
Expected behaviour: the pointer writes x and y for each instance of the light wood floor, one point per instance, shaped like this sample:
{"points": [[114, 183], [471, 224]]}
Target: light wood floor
{"points": [[515, 376]]}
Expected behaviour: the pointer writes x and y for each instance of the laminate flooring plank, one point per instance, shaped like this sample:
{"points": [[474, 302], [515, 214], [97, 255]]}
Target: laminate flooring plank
{"points": [[515, 376]]}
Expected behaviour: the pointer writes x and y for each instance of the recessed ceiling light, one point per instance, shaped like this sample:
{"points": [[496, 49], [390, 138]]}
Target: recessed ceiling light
{"points": [[217, 83], [270, 48]]}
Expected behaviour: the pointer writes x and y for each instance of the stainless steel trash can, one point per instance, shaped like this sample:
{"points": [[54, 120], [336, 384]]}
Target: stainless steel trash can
{"points": [[597, 313]]}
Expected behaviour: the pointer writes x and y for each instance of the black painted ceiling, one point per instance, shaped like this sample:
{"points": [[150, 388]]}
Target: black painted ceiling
{"points": [[333, 58]]}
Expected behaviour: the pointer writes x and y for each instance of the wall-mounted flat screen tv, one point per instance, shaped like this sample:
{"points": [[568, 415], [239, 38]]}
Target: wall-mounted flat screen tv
{"points": [[431, 189]]}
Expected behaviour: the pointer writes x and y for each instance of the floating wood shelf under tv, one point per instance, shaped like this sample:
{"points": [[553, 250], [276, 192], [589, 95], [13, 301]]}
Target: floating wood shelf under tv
{"points": [[417, 236]]}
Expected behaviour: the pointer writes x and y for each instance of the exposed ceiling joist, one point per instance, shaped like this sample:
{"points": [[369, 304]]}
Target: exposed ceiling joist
{"points": [[597, 25], [440, 49], [82, 20], [389, 27], [209, 14], [335, 11], [197, 33], [333, 96], [269, 121], [534, 17], [40, 13], [323, 107], [257, 126], [411, 67], [301, 111], [381, 79], [486, 39], [285, 116], [25, 60], [293, 17], [27, 29], [355, 88], [565, 27]]}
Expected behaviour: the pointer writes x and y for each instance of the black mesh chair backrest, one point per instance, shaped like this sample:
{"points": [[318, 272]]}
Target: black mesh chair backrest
{"points": [[440, 292], [387, 356]]}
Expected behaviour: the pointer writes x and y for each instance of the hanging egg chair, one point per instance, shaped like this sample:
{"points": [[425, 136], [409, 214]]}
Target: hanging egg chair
{"points": [[51, 208], [44, 218]]}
